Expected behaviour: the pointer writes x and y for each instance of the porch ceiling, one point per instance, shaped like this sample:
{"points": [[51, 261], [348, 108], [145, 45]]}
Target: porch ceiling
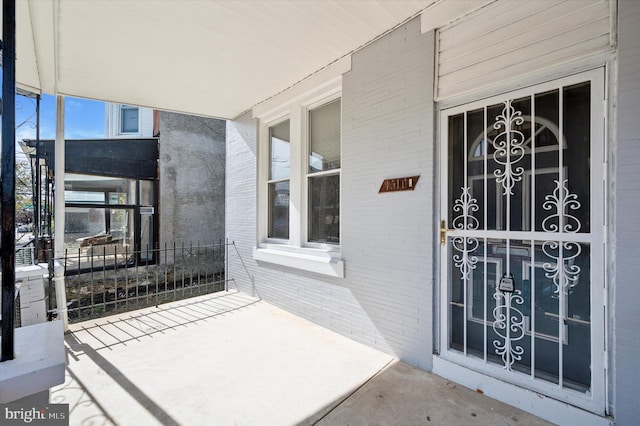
{"points": [[215, 58]]}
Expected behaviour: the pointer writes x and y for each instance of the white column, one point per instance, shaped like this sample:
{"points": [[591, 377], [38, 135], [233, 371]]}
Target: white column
{"points": [[61, 296]]}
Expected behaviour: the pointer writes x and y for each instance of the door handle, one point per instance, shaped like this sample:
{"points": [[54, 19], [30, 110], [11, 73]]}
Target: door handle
{"points": [[443, 232]]}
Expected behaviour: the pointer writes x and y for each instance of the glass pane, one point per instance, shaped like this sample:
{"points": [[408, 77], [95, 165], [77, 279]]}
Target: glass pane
{"points": [[146, 237], [475, 165], [576, 158], [81, 223], [280, 151], [495, 198], [324, 135], [562, 313], [90, 189], [456, 164], [520, 159], [88, 197], [97, 236], [547, 146], [147, 195], [121, 225], [479, 298], [117, 198], [509, 164], [508, 311], [324, 209], [129, 120], [484, 269], [466, 294], [279, 210], [577, 353], [89, 225], [456, 296]]}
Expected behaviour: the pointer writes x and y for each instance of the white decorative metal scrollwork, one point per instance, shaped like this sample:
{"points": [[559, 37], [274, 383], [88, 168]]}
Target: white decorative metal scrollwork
{"points": [[560, 202], [464, 261], [564, 272], [509, 146], [465, 206], [509, 324]]}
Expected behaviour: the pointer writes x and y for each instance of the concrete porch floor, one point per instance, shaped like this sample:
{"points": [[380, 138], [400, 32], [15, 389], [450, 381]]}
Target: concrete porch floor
{"points": [[229, 359]]}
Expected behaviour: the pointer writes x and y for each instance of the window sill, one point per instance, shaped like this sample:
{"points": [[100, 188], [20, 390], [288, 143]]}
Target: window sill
{"points": [[319, 261]]}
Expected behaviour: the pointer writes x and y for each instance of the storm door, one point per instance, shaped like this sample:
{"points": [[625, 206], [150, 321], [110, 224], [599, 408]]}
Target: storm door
{"points": [[522, 246]]}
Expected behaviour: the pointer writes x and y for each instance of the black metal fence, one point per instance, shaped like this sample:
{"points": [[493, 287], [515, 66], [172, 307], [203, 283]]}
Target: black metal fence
{"points": [[105, 280]]}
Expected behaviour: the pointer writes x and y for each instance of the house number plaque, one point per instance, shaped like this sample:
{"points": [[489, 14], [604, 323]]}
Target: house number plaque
{"points": [[399, 184]]}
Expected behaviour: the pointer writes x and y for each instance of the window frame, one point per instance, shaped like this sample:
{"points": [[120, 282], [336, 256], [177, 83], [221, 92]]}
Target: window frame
{"points": [[309, 175], [136, 206], [270, 180], [297, 251], [121, 109]]}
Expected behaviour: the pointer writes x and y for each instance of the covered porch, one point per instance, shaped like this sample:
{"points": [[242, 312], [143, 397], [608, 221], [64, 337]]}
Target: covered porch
{"points": [[435, 276], [229, 358]]}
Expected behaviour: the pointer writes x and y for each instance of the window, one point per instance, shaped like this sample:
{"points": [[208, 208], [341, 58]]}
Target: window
{"points": [[299, 199], [279, 168], [128, 119], [323, 176], [114, 213]]}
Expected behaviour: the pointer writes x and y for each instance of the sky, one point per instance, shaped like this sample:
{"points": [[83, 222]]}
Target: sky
{"points": [[84, 119]]}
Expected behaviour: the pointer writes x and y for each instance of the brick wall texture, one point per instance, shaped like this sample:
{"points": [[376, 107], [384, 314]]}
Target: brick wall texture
{"points": [[385, 299]]}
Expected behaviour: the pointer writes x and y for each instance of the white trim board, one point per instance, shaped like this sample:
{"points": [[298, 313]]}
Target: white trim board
{"points": [[532, 402], [317, 262]]}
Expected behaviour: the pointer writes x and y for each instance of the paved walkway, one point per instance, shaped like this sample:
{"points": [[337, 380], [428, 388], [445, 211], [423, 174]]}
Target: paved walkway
{"points": [[229, 359]]}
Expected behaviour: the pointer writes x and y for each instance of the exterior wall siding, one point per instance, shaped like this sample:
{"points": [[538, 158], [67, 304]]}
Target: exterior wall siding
{"points": [[192, 173], [146, 122], [112, 122], [385, 299], [626, 345], [524, 37]]}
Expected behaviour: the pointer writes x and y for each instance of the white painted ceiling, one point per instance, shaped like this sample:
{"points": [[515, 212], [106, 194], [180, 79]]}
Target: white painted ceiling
{"points": [[215, 58]]}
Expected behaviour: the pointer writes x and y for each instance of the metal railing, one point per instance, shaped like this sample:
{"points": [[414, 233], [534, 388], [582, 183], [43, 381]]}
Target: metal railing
{"points": [[106, 280]]}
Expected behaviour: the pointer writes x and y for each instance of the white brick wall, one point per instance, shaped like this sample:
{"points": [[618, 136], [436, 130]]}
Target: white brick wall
{"points": [[240, 199], [385, 299], [627, 204]]}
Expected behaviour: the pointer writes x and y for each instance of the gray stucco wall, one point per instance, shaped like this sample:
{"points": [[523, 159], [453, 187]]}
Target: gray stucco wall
{"points": [[385, 299], [626, 331], [192, 174]]}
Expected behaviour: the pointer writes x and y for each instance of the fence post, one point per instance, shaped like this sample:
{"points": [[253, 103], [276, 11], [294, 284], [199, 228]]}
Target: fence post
{"points": [[226, 264]]}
